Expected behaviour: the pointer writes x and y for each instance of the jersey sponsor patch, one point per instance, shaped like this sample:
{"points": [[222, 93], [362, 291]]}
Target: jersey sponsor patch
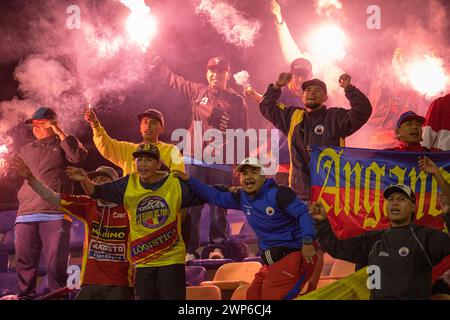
{"points": [[155, 244], [102, 251], [152, 212], [109, 233], [119, 215]]}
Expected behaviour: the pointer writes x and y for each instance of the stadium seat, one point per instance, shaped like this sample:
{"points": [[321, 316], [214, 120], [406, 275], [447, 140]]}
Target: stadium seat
{"points": [[195, 275], [342, 268], [7, 219], [7, 243], [203, 293], [232, 275], [209, 264], [4, 261], [240, 293], [339, 270], [328, 262]]}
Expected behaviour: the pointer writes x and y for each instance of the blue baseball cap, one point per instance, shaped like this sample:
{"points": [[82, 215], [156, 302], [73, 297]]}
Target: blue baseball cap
{"points": [[409, 115], [43, 113]]}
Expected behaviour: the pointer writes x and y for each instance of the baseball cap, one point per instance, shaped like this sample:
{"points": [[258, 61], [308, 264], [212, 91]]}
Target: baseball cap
{"points": [[251, 161], [301, 66], [218, 62], [148, 150], [399, 188], [314, 82], [43, 113], [103, 171], [152, 113], [409, 115]]}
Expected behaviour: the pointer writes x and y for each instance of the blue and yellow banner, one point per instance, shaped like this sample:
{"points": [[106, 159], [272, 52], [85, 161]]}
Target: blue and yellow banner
{"points": [[350, 183]]}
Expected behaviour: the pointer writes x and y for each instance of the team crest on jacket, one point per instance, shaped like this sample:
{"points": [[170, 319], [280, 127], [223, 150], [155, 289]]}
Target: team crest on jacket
{"points": [[152, 212], [403, 252], [319, 129], [270, 211]]}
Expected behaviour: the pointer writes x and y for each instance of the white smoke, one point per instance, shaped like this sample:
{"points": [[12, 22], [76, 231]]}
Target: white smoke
{"points": [[230, 23], [242, 78], [327, 7]]}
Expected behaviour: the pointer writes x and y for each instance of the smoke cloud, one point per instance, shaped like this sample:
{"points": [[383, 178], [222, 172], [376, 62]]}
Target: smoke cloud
{"points": [[230, 23]]}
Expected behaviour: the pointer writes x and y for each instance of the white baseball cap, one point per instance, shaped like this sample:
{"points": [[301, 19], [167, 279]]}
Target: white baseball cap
{"points": [[252, 162], [400, 188]]}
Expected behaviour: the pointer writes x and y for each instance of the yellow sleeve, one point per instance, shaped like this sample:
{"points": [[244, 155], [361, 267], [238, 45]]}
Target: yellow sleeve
{"points": [[118, 152]]}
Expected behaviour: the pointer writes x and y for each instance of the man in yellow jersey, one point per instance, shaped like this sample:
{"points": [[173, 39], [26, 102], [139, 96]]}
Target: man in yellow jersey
{"points": [[120, 152], [153, 200]]}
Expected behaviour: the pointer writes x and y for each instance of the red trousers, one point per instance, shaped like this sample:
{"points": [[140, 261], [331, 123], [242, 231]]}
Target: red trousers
{"points": [[282, 280]]}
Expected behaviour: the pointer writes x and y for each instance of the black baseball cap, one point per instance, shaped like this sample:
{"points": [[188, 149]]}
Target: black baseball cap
{"points": [[152, 113], [43, 113], [314, 82], [150, 150], [218, 62], [147, 150]]}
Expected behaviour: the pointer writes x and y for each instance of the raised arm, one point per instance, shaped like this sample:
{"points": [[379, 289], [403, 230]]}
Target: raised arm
{"points": [[288, 46], [223, 199], [278, 114], [188, 89], [74, 150], [118, 152], [356, 249], [428, 165], [360, 111], [21, 168]]}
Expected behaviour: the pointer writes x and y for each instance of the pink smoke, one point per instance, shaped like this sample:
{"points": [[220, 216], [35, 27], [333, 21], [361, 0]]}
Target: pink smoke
{"points": [[230, 23]]}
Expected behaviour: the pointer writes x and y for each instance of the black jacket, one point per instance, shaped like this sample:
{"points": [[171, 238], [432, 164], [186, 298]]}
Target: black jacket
{"points": [[48, 159], [405, 256], [326, 127]]}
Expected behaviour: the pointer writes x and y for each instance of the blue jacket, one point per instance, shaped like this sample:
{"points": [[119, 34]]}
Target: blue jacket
{"points": [[276, 215]]}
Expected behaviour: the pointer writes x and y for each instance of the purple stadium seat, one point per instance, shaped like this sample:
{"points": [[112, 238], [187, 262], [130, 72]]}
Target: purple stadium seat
{"points": [[8, 284], [208, 264], [7, 243], [4, 261], [195, 275], [7, 219]]}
